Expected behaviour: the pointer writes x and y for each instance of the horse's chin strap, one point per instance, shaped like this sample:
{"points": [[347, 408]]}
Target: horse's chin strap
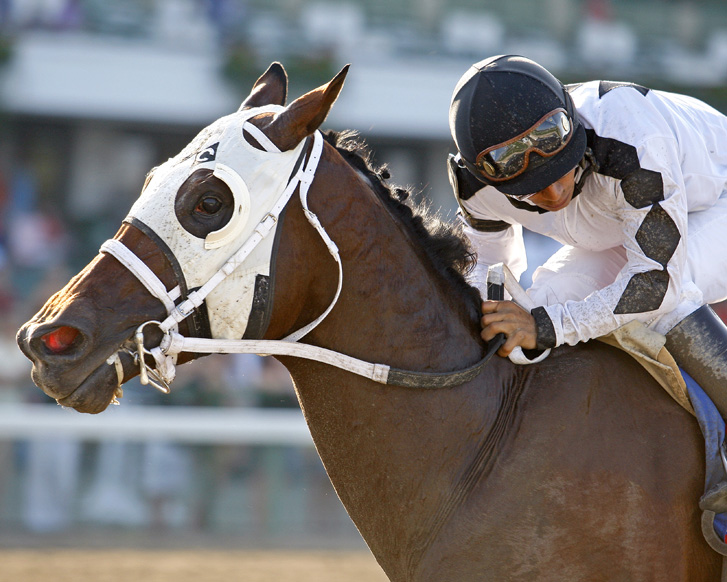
{"points": [[163, 372]]}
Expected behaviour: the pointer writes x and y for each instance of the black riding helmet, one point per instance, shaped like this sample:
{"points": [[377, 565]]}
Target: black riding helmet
{"points": [[511, 101]]}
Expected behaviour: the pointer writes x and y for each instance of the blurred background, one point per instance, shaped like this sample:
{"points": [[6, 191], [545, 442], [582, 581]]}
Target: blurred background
{"points": [[94, 93]]}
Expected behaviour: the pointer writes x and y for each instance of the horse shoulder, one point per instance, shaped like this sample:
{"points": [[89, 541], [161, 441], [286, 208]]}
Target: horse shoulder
{"points": [[596, 454]]}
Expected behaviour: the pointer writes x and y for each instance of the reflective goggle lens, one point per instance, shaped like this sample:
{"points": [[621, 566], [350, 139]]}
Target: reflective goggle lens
{"points": [[547, 137]]}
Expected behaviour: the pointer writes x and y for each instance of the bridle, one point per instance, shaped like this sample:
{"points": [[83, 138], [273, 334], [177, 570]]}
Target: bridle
{"points": [[162, 372]]}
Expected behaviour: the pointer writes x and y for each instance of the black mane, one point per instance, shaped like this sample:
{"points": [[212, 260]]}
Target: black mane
{"points": [[443, 242]]}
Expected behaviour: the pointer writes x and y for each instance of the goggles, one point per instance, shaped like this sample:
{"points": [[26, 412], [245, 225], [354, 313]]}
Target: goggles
{"points": [[509, 159]]}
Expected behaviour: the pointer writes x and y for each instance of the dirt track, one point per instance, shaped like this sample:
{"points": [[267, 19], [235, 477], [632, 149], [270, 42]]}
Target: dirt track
{"points": [[186, 566]]}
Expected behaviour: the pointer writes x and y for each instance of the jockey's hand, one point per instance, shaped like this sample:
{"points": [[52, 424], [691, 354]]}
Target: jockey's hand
{"points": [[509, 318]]}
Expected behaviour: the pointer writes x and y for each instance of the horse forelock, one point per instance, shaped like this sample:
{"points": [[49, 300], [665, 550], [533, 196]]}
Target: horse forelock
{"points": [[443, 242]]}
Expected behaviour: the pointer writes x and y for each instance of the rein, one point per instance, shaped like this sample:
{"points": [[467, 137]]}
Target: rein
{"points": [[173, 343]]}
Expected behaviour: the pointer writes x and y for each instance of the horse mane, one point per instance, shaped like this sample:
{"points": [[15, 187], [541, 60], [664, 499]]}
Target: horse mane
{"points": [[444, 242]]}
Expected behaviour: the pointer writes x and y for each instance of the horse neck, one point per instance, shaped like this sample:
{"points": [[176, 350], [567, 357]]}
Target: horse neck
{"points": [[394, 305], [377, 441]]}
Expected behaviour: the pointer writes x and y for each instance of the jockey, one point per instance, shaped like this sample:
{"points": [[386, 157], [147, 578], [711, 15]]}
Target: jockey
{"points": [[633, 183]]}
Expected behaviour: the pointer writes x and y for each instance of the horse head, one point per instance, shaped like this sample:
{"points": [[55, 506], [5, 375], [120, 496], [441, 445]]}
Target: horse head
{"points": [[194, 214]]}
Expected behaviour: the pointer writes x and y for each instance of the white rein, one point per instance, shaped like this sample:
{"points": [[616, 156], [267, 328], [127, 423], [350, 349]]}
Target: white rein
{"points": [[173, 343]]}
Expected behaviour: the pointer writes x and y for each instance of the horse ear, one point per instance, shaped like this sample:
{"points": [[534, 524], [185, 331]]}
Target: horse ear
{"points": [[270, 89], [305, 115]]}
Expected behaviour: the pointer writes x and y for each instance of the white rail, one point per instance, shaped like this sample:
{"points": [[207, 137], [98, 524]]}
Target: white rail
{"points": [[185, 424]]}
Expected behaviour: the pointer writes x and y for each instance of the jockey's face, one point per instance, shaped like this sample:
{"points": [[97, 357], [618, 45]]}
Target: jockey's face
{"points": [[556, 196]]}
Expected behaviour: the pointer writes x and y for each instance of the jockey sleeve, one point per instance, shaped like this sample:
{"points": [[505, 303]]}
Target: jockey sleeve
{"points": [[660, 156]]}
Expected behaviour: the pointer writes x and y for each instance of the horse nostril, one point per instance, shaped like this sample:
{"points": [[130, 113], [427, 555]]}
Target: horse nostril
{"points": [[59, 340]]}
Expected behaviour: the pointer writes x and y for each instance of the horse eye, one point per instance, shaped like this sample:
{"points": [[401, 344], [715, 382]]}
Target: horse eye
{"points": [[208, 205]]}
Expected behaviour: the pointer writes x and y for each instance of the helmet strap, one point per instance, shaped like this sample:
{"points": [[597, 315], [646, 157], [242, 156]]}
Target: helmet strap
{"points": [[587, 166]]}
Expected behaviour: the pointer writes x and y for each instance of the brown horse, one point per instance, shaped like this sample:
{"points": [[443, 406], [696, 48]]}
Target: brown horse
{"points": [[579, 468]]}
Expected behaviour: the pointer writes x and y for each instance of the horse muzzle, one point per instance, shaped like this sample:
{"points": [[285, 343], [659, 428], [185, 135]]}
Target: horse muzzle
{"points": [[66, 365]]}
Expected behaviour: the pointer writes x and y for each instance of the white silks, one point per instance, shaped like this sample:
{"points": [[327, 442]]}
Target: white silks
{"points": [[256, 179]]}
